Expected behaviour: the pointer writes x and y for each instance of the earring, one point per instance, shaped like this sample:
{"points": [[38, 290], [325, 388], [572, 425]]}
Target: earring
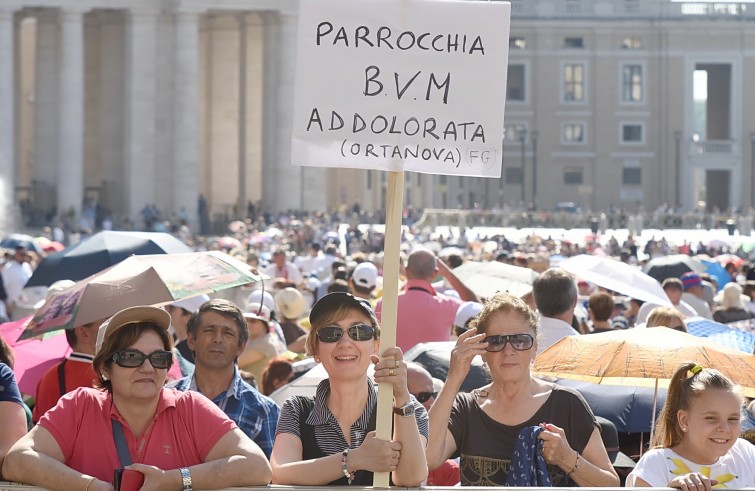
{"points": [[684, 429]]}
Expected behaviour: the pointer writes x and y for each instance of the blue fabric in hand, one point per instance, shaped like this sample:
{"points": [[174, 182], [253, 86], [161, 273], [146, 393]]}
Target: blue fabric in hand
{"points": [[528, 467]]}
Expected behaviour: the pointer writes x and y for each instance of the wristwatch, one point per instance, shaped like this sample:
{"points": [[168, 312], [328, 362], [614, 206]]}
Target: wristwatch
{"points": [[406, 410], [185, 479]]}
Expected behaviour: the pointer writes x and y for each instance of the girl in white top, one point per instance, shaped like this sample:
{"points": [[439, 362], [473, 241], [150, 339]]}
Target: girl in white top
{"points": [[696, 444]]}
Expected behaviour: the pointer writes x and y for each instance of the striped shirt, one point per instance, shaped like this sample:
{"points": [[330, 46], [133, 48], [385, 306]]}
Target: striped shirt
{"points": [[328, 433]]}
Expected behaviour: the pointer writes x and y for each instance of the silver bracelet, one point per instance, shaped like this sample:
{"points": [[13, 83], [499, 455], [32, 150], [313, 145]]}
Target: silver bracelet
{"points": [[185, 479]]}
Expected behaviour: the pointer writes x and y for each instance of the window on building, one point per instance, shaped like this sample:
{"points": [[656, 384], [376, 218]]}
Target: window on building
{"points": [[574, 42], [573, 175], [631, 6], [631, 133], [513, 133], [573, 133], [631, 43], [517, 42], [513, 175], [442, 179], [573, 7], [631, 83], [631, 176], [574, 82], [369, 179], [515, 83]]}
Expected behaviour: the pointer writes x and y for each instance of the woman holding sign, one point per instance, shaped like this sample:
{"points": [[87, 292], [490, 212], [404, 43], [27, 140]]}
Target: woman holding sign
{"points": [[330, 440], [484, 426]]}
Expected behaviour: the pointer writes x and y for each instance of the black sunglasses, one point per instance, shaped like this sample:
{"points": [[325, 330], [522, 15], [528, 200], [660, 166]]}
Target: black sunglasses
{"points": [[131, 358], [520, 342], [422, 397], [357, 332]]}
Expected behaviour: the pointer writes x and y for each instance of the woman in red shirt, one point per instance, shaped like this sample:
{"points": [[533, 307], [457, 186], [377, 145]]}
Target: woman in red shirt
{"points": [[177, 440]]}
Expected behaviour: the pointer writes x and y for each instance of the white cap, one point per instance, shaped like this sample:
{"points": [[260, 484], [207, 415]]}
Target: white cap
{"points": [[466, 311], [259, 312], [267, 300], [192, 304], [365, 275]]}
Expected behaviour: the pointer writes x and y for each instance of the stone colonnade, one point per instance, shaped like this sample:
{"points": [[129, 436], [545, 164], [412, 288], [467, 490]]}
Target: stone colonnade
{"points": [[131, 103]]}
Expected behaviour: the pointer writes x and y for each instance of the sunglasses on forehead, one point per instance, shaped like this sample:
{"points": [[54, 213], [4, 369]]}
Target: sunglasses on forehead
{"points": [[131, 358], [423, 397], [520, 342], [357, 332]]}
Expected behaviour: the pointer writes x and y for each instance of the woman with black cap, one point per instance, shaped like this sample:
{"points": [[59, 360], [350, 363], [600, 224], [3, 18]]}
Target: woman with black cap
{"points": [[330, 440]]}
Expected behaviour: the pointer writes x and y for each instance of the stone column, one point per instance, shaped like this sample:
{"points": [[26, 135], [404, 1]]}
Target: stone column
{"points": [[46, 110], [71, 114], [283, 181], [186, 116], [7, 120], [141, 89]]}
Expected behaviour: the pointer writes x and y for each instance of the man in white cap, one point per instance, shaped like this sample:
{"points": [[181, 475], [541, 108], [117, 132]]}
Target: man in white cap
{"points": [[180, 313], [364, 280]]}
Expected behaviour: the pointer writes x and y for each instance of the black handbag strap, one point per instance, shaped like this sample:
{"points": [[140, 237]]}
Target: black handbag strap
{"points": [[62, 377], [120, 444]]}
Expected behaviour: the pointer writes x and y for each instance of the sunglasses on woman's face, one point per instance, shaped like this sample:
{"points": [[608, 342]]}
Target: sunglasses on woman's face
{"points": [[131, 358], [520, 342], [423, 397], [357, 332]]}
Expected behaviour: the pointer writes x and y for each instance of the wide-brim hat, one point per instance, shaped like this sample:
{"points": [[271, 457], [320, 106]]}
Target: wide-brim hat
{"points": [[731, 297], [291, 303], [131, 315]]}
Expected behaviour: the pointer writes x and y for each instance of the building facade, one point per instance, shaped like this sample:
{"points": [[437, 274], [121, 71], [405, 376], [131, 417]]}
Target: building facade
{"points": [[128, 103]]}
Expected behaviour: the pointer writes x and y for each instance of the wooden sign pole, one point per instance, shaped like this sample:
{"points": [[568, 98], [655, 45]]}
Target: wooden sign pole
{"points": [[394, 212]]}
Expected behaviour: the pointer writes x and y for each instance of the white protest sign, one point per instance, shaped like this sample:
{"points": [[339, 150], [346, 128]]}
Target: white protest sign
{"points": [[415, 85]]}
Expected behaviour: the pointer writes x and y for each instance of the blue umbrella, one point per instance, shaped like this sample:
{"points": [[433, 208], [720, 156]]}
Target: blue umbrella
{"points": [[717, 271], [629, 408], [21, 240], [721, 334]]}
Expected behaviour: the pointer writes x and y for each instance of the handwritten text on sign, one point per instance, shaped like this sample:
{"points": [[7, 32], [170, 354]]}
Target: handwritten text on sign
{"points": [[415, 85]]}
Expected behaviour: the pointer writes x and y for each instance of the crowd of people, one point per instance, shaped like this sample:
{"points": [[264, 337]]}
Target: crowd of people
{"points": [[184, 389]]}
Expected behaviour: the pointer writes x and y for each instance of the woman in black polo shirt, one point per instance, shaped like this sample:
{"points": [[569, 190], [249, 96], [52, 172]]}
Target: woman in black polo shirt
{"points": [[330, 439]]}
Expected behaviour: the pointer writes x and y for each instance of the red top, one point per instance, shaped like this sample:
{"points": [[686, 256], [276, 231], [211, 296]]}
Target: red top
{"points": [[187, 426], [78, 373], [423, 315]]}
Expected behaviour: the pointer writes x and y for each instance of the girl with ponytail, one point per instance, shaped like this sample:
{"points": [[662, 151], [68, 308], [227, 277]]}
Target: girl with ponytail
{"points": [[697, 444]]}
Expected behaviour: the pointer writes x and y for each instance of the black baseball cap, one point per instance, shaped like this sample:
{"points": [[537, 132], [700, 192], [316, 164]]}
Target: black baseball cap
{"points": [[334, 300]]}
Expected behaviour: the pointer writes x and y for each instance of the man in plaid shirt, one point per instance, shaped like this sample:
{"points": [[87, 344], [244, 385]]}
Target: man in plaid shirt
{"points": [[217, 334]]}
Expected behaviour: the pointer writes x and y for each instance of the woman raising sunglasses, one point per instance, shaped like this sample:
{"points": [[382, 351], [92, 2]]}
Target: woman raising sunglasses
{"points": [[482, 427], [165, 438], [330, 440]]}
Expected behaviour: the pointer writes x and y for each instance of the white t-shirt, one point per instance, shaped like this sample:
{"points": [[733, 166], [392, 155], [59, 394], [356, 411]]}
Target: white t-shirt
{"points": [[735, 470]]}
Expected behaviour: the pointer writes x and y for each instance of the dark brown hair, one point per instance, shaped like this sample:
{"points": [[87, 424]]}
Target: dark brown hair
{"points": [[278, 369], [222, 307], [124, 337]]}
